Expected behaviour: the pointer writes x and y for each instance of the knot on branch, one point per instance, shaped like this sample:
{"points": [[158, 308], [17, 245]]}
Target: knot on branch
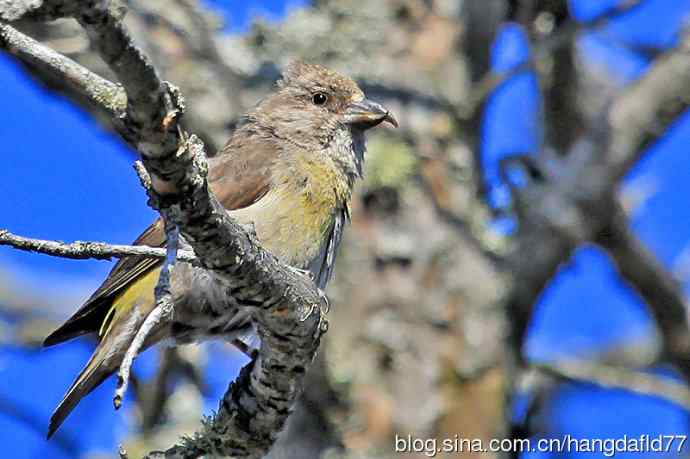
{"points": [[167, 179], [174, 104]]}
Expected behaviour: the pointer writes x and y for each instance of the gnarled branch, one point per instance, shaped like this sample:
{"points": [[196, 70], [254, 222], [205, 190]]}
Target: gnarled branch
{"points": [[258, 403]]}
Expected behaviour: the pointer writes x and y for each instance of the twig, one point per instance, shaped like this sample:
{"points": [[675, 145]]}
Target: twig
{"points": [[36, 10], [82, 250], [98, 90], [643, 113], [162, 311], [565, 34], [618, 378]]}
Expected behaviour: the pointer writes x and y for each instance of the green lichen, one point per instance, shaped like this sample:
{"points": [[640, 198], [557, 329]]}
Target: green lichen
{"points": [[389, 163]]}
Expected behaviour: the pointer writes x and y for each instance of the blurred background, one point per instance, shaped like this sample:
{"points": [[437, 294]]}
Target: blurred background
{"points": [[435, 281]]}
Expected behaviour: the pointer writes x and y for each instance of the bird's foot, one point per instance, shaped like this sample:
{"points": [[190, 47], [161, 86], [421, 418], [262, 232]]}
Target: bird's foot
{"points": [[302, 272], [325, 303], [323, 307]]}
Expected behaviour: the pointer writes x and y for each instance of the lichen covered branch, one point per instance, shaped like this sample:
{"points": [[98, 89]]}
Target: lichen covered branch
{"points": [[258, 403], [83, 250]]}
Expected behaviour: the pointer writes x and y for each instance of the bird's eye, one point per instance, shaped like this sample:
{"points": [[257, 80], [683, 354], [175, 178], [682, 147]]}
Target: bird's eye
{"points": [[319, 98]]}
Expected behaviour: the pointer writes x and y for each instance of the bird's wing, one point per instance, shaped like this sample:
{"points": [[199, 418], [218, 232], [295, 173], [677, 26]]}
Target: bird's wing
{"points": [[239, 176], [322, 266], [90, 316]]}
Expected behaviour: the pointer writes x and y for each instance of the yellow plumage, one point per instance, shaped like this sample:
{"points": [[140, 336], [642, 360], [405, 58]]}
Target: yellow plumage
{"points": [[294, 218], [305, 197], [140, 292]]}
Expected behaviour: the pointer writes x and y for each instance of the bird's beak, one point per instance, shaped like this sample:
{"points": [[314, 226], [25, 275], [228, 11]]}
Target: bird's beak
{"points": [[367, 114]]}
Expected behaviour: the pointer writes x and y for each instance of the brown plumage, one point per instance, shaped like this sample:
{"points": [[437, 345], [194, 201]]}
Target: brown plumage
{"points": [[288, 170]]}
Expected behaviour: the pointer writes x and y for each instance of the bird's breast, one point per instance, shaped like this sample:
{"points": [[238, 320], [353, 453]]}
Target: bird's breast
{"points": [[295, 217]]}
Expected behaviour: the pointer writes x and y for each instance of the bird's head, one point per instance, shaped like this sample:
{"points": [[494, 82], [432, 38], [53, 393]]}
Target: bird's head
{"points": [[321, 110]]}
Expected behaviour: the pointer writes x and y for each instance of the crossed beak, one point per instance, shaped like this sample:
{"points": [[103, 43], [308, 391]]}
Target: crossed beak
{"points": [[366, 114]]}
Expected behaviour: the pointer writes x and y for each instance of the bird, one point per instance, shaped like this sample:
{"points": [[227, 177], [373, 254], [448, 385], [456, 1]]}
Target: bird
{"points": [[288, 172]]}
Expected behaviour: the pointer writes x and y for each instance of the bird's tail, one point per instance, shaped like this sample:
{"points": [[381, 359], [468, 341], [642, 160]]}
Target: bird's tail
{"points": [[95, 372], [105, 360], [120, 325]]}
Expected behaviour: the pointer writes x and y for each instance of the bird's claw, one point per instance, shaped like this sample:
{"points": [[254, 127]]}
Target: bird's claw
{"points": [[323, 326], [303, 272], [325, 304], [324, 307]]}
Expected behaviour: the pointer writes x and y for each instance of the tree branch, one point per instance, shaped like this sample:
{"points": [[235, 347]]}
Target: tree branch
{"points": [[491, 81], [572, 201], [258, 403], [37, 10], [645, 111], [661, 292], [101, 92], [573, 204], [83, 250], [618, 378]]}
